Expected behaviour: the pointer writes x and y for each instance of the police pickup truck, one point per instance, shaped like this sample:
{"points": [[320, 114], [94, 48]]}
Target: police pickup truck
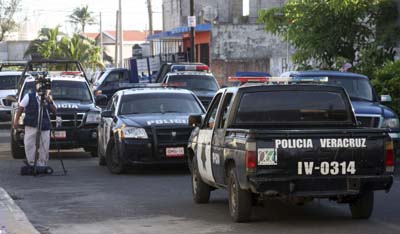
{"points": [[288, 141], [75, 124], [146, 125]]}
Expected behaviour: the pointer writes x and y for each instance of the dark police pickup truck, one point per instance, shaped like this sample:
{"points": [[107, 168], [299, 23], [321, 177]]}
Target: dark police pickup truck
{"points": [[146, 126], [75, 124], [287, 141]]}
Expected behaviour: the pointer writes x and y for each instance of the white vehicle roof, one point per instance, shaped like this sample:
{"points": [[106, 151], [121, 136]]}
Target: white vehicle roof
{"points": [[60, 78], [10, 73]]}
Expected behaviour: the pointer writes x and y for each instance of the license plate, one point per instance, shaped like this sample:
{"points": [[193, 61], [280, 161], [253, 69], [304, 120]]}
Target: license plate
{"points": [[326, 168], [175, 152], [60, 135]]}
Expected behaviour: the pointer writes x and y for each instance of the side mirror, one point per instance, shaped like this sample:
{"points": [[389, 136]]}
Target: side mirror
{"points": [[11, 98], [386, 98], [107, 114], [195, 120], [101, 100]]}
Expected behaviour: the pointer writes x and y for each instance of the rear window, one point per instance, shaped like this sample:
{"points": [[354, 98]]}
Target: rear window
{"points": [[292, 107], [159, 103]]}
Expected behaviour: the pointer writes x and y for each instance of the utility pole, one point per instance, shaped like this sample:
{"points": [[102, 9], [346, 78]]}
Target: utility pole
{"points": [[150, 12], [101, 39], [116, 40], [192, 25], [121, 36]]}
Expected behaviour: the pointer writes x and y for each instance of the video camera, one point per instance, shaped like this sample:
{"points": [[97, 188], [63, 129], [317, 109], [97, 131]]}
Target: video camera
{"points": [[43, 83]]}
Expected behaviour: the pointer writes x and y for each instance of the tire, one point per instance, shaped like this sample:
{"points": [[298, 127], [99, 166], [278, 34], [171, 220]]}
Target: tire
{"points": [[239, 200], [102, 159], [200, 190], [113, 161], [17, 152], [92, 150], [363, 206]]}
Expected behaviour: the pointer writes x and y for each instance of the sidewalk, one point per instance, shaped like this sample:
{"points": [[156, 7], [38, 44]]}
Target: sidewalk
{"points": [[12, 217]]}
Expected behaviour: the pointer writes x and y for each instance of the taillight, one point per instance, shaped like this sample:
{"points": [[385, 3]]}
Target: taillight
{"points": [[389, 157], [251, 157]]}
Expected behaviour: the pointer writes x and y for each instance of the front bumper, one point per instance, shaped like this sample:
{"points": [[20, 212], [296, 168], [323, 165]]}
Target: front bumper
{"points": [[319, 186], [75, 138], [5, 114], [145, 152]]}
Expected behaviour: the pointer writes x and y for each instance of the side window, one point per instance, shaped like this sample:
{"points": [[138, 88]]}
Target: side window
{"points": [[225, 108], [212, 113]]}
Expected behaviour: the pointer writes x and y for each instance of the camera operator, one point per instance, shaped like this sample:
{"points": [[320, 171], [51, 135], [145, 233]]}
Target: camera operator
{"points": [[30, 103]]}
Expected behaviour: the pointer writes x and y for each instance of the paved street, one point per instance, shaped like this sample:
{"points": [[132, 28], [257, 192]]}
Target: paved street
{"points": [[91, 200]]}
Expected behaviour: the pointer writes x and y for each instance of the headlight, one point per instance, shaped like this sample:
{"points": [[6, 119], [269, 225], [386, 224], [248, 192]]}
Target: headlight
{"points": [[391, 123], [132, 132], [93, 117]]}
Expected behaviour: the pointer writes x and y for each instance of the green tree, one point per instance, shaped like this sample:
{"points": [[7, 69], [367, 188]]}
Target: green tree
{"points": [[82, 17], [326, 32], [387, 81], [8, 8]]}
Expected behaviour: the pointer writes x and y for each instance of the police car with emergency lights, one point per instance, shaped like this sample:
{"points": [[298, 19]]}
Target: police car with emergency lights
{"points": [[146, 125], [289, 139], [75, 124], [195, 78]]}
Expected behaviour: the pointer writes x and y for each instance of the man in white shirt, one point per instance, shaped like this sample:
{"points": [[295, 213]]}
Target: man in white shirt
{"points": [[30, 104]]}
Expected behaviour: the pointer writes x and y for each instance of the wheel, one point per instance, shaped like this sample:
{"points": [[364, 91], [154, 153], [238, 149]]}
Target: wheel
{"points": [[200, 190], [102, 159], [113, 161], [17, 152], [239, 199], [92, 150], [362, 207]]}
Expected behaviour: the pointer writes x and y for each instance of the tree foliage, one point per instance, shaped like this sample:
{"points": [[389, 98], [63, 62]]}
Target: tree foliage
{"points": [[326, 32], [8, 8], [51, 45], [387, 81], [82, 17]]}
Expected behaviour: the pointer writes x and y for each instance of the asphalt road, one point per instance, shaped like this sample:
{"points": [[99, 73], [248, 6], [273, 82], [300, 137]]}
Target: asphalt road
{"points": [[91, 200]]}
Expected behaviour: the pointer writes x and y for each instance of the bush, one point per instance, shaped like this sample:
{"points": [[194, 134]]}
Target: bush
{"points": [[386, 80]]}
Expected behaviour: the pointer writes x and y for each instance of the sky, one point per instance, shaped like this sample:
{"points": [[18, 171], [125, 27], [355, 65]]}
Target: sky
{"points": [[50, 13]]}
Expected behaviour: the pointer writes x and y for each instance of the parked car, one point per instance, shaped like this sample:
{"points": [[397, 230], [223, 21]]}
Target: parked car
{"points": [[369, 108], [203, 84], [8, 86], [295, 142], [77, 118], [146, 126]]}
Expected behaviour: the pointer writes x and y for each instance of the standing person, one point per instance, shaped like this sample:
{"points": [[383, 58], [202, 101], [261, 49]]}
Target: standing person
{"points": [[30, 104]]}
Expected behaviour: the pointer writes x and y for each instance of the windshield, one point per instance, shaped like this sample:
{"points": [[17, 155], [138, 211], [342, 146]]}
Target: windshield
{"points": [[9, 82], [291, 106], [357, 88], [195, 82], [159, 103], [65, 90]]}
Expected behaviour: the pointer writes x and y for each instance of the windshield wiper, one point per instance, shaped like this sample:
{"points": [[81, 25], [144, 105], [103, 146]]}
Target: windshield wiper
{"points": [[204, 89]]}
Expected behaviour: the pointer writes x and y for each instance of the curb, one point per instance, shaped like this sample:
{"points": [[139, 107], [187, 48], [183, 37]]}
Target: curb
{"points": [[13, 217]]}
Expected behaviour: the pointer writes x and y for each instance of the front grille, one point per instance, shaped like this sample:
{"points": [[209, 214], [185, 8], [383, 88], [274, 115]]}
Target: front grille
{"points": [[68, 120], [170, 135], [6, 102], [368, 121]]}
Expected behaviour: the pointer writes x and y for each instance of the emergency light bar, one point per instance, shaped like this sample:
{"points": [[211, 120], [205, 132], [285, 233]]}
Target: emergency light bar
{"points": [[277, 80], [176, 68]]}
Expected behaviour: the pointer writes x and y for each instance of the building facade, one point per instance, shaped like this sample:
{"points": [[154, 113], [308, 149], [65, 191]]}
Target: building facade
{"points": [[235, 41]]}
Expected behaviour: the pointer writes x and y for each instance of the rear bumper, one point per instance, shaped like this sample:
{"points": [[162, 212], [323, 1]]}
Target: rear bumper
{"points": [[320, 186]]}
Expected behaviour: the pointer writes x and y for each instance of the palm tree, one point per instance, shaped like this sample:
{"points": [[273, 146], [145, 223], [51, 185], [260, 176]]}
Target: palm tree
{"points": [[82, 16]]}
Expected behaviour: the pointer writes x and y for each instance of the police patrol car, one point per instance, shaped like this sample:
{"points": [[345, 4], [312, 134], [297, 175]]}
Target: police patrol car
{"points": [[8, 86], [75, 124], [295, 142], [195, 78], [146, 126]]}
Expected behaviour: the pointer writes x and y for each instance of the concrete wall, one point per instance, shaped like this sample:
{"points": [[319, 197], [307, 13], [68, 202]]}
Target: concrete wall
{"points": [[13, 50], [246, 44]]}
